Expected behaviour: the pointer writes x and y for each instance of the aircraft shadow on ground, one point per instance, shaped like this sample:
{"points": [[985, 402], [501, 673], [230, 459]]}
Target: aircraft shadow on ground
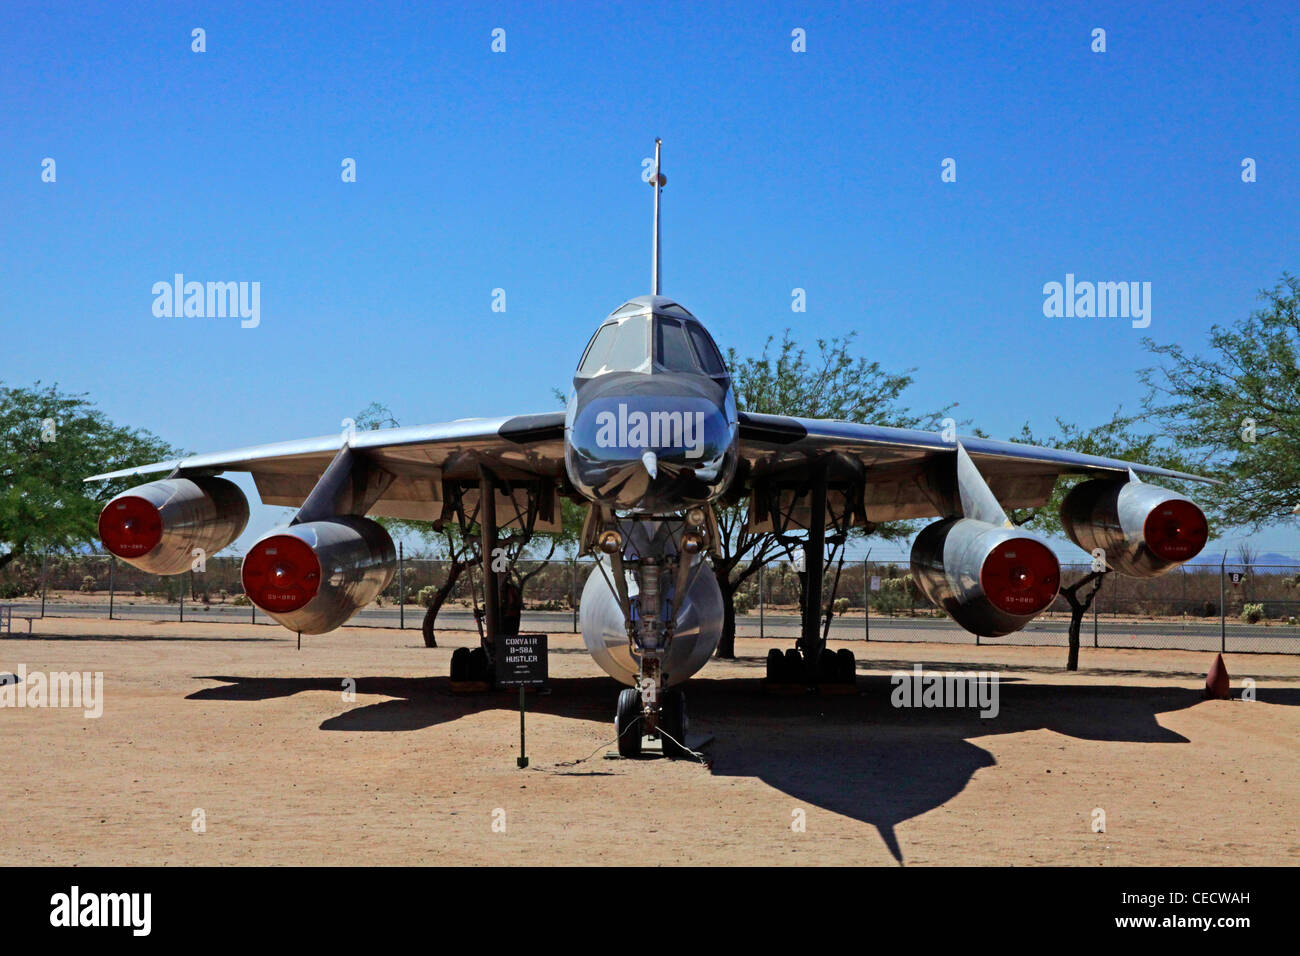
{"points": [[855, 755]]}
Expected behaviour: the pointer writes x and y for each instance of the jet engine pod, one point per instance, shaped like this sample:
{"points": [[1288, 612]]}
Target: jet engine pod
{"points": [[1144, 530], [992, 580], [157, 526], [312, 577]]}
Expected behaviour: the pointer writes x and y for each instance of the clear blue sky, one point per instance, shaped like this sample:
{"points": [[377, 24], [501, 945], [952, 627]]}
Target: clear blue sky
{"points": [[521, 171]]}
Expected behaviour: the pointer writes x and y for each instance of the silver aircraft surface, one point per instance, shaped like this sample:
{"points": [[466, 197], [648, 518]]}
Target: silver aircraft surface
{"points": [[652, 442]]}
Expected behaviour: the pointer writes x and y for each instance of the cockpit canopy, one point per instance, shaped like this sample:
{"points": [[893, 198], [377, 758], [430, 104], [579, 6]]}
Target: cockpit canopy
{"points": [[651, 334]]}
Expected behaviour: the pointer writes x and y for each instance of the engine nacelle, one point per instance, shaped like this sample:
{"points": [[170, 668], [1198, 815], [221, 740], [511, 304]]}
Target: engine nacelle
{"points": [[312, 577], [157, 526], [698, 627], [1144, 530], [992, 580]]}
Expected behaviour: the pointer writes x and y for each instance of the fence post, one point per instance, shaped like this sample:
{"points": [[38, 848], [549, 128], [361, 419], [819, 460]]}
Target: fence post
{"points": [[180, 586], [1223, 606], [866, 600], [401, 589], [1094, 618], [573, 590], [44, 581], [760, 599], [112, 563]]}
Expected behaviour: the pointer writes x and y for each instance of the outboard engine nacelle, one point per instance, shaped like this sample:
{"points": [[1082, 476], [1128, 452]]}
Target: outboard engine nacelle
{"points": [[992, 580], [157, 527], [1144, 530], [312, 577]]}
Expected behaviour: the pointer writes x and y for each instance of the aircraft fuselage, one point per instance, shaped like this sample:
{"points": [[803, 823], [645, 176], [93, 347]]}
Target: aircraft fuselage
{"points": [[651, 421]]}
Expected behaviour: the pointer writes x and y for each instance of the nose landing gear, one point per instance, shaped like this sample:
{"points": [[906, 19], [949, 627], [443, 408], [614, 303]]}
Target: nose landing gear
{"points": [[652, 561], [631, 720]]}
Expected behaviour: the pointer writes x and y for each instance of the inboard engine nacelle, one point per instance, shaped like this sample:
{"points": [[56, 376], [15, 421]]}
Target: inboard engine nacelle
{"points": [[312, 577], [991, 580], [1143, 530], [158, 527]]}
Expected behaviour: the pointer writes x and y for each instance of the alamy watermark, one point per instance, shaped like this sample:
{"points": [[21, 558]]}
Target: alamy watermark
{"points": [[130, 910], [1102, 300], [78, 689], [946, 689], [651, 430], [208, 300]]}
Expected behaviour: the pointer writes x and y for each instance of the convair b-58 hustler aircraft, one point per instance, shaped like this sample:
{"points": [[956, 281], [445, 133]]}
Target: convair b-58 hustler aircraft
{"points": [[652, 443]]}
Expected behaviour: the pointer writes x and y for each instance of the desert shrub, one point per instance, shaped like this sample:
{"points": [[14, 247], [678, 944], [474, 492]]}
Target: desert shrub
{"points": [[88, 583], [841, 605], [896, 594], [240, 600], [1252, 613], [424, 597], [743, 601]]}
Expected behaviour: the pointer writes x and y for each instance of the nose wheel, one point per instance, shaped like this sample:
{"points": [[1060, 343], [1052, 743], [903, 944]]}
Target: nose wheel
{"points": [[627, 723], [672, 723]]}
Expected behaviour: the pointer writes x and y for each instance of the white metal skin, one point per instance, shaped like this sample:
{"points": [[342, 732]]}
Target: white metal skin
{"points": [[946, 560], [695, 638], [206, 514], [1112, 516], [357, 561]]}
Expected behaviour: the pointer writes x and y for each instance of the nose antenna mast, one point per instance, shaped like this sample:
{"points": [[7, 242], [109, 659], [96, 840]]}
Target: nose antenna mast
{"points": [[658, 181]]}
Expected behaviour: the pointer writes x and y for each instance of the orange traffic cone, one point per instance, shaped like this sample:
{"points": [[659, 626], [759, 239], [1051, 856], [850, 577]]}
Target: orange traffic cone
{"points": [[1216, 681]]}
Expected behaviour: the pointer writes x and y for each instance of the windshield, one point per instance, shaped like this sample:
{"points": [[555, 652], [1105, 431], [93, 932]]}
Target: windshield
{"points": [[622, 346], [706, 350], [672, 350]]}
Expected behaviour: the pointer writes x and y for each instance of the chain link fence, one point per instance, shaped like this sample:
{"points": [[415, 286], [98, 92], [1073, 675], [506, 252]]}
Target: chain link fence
{"points": [[1230, 606]]}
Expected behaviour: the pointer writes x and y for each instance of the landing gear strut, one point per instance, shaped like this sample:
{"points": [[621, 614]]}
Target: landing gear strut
{"points": [[810, 663], [472, 669], [651, 567]]}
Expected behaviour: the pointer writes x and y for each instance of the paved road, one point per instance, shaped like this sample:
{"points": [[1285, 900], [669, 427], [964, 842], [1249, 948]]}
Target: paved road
{"points": [[1193, 636]]}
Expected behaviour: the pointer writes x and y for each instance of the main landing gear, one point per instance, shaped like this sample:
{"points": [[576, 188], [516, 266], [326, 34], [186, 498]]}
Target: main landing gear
{"points": [[810, 664], [470, 666], [831, 672]]}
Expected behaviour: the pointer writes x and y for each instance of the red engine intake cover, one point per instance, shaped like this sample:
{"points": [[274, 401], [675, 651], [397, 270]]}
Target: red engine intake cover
{"points": [[130, 527], [1021, 576], [281, 573], [1176, 530]]}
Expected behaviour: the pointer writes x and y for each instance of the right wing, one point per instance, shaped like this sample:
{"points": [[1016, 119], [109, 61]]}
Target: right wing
{"points": [[421, 457]]}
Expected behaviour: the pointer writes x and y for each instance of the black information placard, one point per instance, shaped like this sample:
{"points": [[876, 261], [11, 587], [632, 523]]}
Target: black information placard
{"points": [[521, 660]]}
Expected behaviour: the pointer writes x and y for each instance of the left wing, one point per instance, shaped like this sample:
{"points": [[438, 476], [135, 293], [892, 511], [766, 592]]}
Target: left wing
{"points": [[899, 464]]}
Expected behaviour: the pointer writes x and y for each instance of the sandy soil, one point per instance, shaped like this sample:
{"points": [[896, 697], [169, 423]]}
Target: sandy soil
{"points": [[235, 721]]}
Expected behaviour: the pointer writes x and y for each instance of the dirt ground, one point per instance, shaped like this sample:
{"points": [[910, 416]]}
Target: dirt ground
{"points": [[235, 722]]}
